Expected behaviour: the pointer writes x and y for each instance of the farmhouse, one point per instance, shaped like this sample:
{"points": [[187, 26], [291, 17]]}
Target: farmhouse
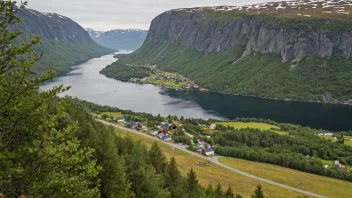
{"points": [[166, 138], [153, 132], [173, 127], [119, 119], [212, 127], [165, 125], [208, 151], [134, 124], [161, 135], [202, 145]]}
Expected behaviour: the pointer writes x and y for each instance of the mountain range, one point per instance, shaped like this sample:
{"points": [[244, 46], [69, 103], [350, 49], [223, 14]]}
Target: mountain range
{"points": [[63, 41], [120, 39], [291, 50]]}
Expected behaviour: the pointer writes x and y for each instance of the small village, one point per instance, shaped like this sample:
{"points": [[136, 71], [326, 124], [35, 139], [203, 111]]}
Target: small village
{"points": [[164, 132], [169, 80]]}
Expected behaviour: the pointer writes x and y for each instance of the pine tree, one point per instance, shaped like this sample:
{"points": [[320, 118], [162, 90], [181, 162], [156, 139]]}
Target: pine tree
{"points": [[192, 181], [38, 157], [209, 191], [238, 196], [157, 158], [173, 179], [218, 191], [229, 193], [258, 193]]}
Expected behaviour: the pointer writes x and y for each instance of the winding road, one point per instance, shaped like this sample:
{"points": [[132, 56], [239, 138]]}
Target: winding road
{"points": [[214, 160]]}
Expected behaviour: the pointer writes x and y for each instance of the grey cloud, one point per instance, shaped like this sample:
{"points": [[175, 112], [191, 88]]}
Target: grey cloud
{"points": [[115, 14]]}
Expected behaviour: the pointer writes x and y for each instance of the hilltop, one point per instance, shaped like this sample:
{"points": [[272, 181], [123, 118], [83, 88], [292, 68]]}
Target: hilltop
{"points": [[290, 9]]}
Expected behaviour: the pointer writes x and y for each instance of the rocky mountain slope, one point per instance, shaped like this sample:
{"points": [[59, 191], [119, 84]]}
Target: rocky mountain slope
{"points": [[64, 42], [288, 50], [120, 39]]}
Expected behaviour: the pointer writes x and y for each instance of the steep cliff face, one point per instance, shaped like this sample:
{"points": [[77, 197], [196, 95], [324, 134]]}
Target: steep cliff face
{"points": [[250, 31], [288, 50], [63, 41]]}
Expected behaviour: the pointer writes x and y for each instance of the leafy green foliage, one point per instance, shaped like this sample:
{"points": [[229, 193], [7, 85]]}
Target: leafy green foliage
{"points": [[262, 75], [285, 150], [124, 72], [38, 158]]}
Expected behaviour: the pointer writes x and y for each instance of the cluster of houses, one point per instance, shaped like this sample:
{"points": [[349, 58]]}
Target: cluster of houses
{"points": [[190, 85], [163, 132], [325, 134], [205, 148], [336, 162], [170, 77]]}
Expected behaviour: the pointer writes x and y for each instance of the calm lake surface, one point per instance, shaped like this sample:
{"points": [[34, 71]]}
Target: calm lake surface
{"points": [[89, 85]]}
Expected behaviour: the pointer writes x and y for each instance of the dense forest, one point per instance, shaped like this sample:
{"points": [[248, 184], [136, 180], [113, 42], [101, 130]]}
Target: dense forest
{"points": [[52, 147], [124, 72], [298, 150], [262, 75]]}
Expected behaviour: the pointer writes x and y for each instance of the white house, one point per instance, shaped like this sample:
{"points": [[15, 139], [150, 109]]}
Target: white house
{"points": [[208, 151], [212, 126], [120, 119]]}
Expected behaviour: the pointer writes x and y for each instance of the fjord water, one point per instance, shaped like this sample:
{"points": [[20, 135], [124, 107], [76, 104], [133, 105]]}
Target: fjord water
{"points": [[89, 85]]}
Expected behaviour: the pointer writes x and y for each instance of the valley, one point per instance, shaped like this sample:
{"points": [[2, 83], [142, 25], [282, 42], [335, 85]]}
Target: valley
{"points": [[223, 101]]}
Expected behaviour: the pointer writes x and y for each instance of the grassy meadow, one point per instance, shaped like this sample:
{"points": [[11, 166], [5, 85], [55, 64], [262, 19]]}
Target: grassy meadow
{"points": [[314, 183], [214, 174], [254, 125]]}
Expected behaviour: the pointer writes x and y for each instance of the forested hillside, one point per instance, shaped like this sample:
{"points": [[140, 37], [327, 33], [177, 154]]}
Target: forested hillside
{"points": [[63, 41], [285, 50]]}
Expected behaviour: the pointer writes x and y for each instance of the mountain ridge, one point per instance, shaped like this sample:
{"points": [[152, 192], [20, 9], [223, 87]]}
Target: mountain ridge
{"points": [[63, 41], [271, 55], [119, 39]]}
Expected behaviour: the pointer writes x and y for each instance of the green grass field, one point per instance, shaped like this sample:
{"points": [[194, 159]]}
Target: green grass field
{"points": [[254, 125], [168, 83], [314, 183], [214, 174], [113, 114], [348, 139]]}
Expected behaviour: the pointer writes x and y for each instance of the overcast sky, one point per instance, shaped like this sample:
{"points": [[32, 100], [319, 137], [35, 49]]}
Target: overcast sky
{"points": [[118, 14]]}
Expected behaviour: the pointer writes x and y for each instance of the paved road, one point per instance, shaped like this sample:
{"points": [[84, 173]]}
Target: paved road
{"points": [[215, 161]]}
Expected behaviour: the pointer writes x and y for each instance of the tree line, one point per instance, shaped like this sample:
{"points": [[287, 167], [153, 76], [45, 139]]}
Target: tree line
{"points": [[298, 150]]}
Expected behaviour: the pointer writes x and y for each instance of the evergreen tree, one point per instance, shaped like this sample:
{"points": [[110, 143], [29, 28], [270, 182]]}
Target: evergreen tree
{"points": [[218, 191], [209, 191], [157, 158], [102, 138], [258, 193], [229, 193], [192, 181], [173, 179], [238, 196], [37, 157]]}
